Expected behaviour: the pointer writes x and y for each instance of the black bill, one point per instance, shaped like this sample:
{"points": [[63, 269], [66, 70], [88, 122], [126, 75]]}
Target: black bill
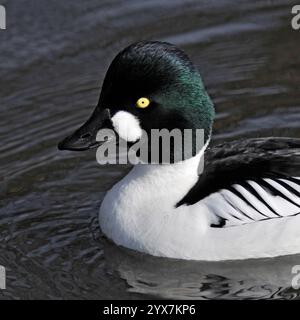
{"points": [[84, 138]]}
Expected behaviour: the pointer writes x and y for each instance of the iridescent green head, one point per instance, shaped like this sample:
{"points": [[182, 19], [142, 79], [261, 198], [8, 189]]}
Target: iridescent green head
{"points": [[157, 84]]}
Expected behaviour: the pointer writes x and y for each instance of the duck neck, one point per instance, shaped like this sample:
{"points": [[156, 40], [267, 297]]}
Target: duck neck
{"points": [[171, 181]]}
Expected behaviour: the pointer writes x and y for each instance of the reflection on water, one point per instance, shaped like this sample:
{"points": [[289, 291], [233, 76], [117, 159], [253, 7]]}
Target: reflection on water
{"points": [[53, 58], [178, 279]]}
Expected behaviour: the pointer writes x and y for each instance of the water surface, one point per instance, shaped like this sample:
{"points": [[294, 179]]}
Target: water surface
{"points": [[54, 55]]}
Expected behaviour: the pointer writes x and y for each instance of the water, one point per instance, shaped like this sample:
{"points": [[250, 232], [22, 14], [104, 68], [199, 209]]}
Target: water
{"points": [[54, 56]]}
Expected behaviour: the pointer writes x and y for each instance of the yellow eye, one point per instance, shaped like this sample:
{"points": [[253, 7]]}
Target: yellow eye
{"points": [[143, 103]]}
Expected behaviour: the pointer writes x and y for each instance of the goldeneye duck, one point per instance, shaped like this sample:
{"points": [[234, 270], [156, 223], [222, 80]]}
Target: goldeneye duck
{"points": [[244, 204]]}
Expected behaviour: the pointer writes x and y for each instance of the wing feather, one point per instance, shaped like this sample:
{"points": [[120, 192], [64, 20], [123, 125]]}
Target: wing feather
{"points": [[250, 181]]}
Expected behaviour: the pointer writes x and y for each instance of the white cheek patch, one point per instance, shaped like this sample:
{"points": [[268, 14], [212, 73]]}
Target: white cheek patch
{"points": [[127, 126]]}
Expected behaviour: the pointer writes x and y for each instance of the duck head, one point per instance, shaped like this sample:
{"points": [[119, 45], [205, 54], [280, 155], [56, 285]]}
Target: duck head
{"points": [[149, 85]]}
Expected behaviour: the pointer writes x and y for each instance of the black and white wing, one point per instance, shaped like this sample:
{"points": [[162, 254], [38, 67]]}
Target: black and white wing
{"points": [[249, 181]]}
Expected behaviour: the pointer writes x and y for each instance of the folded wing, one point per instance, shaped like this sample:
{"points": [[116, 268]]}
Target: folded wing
{"points": [[249, 181]]}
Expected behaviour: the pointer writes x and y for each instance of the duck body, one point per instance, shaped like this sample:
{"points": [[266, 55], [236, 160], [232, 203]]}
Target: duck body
{"points": [[243, 203], [170, 211]]}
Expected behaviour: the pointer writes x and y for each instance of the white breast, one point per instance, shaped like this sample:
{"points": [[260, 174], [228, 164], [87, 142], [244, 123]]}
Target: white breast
{"points": [[139, 211]]}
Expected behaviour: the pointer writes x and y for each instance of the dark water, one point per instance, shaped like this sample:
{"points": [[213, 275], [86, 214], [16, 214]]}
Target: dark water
{"points": [[54, 55]]}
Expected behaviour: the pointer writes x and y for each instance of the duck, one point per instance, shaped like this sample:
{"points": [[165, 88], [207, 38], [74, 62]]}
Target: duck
{"points": [[244, 203]]}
